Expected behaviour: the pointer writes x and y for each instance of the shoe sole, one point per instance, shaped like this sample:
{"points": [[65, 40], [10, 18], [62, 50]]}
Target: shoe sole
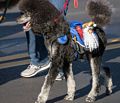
{"points": [[42, 69], [60, 79]]}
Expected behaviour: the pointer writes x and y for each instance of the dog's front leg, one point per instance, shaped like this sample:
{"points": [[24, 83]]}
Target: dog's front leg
{"points": [[70, 82], [49, 80], [42, 97], [95, 68]]}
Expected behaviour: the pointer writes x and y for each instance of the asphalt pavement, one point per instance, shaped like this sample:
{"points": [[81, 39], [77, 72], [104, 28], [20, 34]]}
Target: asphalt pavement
{"points": [[14, 59]]}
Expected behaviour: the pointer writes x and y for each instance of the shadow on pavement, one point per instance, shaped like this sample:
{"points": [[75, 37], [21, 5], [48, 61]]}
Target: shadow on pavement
{"points": [[114, 65], [111, 60], [13, 73], [11, 27], [11, 42], [11, 16], [9, 30], [10, 74], [56, 99]]}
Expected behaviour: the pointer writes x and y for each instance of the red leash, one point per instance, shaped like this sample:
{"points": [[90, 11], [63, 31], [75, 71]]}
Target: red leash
{"points": [[76, 3], [65, 6], [62, 10]]}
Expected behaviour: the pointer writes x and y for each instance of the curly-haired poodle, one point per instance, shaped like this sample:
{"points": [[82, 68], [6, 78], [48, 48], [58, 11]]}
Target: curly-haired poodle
{"points": [[47, 20]]}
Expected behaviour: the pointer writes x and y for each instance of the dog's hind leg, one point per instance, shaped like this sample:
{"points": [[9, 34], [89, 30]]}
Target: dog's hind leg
{"points": [[95, 69], [70, 81], [49, 80], [107, 79]]}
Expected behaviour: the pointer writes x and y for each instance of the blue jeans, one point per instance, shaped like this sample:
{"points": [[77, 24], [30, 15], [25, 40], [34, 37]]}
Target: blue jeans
{"points": [[36, 48]]}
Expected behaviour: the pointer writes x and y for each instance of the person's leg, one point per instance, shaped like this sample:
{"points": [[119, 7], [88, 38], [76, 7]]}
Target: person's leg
{"points": [[37, 49], [38, 55]]}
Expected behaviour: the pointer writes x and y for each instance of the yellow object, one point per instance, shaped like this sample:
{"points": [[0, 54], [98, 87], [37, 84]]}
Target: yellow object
{"points": [[91, 23], [2, 18], [75, 39]]}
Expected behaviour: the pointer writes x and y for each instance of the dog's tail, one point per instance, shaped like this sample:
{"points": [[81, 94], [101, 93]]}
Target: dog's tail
{"points": [[100, 11], [8, 3]]}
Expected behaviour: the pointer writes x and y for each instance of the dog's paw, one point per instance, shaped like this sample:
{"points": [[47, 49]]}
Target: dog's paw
{"points": [[90, 99], [108, 91], [40, 100], [37, 101], [69, 97]]}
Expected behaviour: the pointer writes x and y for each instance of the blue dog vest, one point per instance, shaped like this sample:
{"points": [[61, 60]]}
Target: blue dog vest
{"points": [[63, 39], [75, 33]]}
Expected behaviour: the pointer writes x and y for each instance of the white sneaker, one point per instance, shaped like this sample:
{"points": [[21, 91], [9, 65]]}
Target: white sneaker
{"points": [[60, 76], [32, 70]]}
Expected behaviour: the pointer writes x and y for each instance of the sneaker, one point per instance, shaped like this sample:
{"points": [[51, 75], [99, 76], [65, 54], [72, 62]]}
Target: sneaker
{"points": [[32, 70], [60, 76]]}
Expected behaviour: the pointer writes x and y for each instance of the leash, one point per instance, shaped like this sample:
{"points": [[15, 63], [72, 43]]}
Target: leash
{"points": [[63, 10], [65, 6], [5, 10], [76, 3]]}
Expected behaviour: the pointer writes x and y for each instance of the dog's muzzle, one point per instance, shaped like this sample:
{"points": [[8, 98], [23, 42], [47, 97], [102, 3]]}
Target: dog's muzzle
{"points": [[24, 19]]}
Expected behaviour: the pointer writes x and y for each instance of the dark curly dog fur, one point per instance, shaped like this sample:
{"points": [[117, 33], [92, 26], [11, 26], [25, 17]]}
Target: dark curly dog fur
{"points": [[46, 19]]}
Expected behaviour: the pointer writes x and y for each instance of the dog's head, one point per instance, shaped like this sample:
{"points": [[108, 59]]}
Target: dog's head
{"points": [[25, 19], [39, 13]]}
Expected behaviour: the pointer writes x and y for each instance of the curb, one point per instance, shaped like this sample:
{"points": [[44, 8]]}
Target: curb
{"points": [[113, 41]]}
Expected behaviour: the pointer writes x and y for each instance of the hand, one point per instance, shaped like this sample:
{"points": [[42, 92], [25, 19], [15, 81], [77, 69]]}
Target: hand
{"points": [[27, 27]]}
